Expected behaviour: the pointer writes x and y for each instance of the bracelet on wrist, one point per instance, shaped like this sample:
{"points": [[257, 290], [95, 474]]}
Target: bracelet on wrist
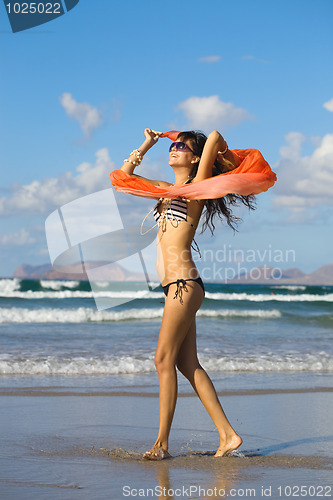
{"points": [[224, 151], [138, 155], [136, 164]]}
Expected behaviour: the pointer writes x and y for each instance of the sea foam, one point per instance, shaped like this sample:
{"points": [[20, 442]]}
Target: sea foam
{"points": [[261, 297], [117, 365], [87, 315]]}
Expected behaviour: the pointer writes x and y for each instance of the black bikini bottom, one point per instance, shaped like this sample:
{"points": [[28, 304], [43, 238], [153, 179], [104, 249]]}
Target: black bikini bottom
{"points": [[181, 285]]}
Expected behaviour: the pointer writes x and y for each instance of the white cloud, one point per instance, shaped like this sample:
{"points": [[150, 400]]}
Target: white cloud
{"points": [[20, 238], [255, 59], [328, 105], [88, 117], [305, 183], [209, 59], [42, 196], [292, 150], [210, 112]]}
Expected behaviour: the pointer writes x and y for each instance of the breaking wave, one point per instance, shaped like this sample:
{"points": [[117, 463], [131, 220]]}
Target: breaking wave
{"points": [[113, 365], [85, 314]]}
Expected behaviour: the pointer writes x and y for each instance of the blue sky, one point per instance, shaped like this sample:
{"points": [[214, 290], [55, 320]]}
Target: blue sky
{"points": [[76, 94]]}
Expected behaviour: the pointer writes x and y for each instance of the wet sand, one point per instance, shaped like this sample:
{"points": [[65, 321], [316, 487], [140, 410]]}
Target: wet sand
{"points": [[66, 444]]}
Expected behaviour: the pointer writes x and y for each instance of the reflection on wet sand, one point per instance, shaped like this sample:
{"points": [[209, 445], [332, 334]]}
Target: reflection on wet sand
{"points": [[213, 477], [214, 485]]}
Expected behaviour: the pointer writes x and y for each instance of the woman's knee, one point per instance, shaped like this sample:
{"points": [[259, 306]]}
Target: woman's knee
{"points": [[164, 363]]}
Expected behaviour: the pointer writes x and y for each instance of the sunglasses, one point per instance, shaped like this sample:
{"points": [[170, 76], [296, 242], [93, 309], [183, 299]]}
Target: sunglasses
{"points": [[180, 146]]}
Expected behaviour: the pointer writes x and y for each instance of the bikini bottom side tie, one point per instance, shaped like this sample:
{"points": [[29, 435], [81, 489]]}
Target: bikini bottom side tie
{"points": [[181, 287]]}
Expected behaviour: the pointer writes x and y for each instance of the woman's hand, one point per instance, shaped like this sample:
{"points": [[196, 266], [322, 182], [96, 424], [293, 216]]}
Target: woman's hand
{"points": [[134, 160], [152, 136]]}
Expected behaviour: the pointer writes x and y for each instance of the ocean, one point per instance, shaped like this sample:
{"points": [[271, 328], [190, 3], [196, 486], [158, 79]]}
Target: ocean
{"points": [[249, 336]]}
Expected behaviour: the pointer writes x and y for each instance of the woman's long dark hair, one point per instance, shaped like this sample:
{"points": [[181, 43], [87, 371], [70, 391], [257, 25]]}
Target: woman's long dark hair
{"points": [[220, 207]]}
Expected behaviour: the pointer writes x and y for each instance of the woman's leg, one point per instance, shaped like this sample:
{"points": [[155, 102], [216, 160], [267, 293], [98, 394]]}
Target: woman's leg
{"points": [[188, 364], [176, 321]]}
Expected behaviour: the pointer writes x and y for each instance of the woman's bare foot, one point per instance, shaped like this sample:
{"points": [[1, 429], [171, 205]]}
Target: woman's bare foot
{"points": [[229, 446], [156, 453]]}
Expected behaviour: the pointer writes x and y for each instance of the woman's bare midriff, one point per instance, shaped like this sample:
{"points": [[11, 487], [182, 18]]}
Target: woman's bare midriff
{"points": [[174, 256]]}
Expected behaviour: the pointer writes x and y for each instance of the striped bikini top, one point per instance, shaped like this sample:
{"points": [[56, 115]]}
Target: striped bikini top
{"points": [[175, 209]]}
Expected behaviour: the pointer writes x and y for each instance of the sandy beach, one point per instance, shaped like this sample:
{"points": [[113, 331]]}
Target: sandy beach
{"points": [[60, 443]]}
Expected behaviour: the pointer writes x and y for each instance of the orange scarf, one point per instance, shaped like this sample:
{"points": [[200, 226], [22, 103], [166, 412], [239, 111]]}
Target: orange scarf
{"points": [[252, 176]]}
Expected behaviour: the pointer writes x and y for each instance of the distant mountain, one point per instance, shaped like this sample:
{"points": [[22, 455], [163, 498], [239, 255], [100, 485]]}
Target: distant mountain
{"points": [[268, 275], [114, 272]]}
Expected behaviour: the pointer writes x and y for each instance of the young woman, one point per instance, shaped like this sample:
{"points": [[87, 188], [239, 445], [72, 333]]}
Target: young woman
{"points": [[193, 158]]}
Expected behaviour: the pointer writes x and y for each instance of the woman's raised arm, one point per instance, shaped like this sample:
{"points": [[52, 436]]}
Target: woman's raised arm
{"points": [[135, 158], [215, 145]]}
